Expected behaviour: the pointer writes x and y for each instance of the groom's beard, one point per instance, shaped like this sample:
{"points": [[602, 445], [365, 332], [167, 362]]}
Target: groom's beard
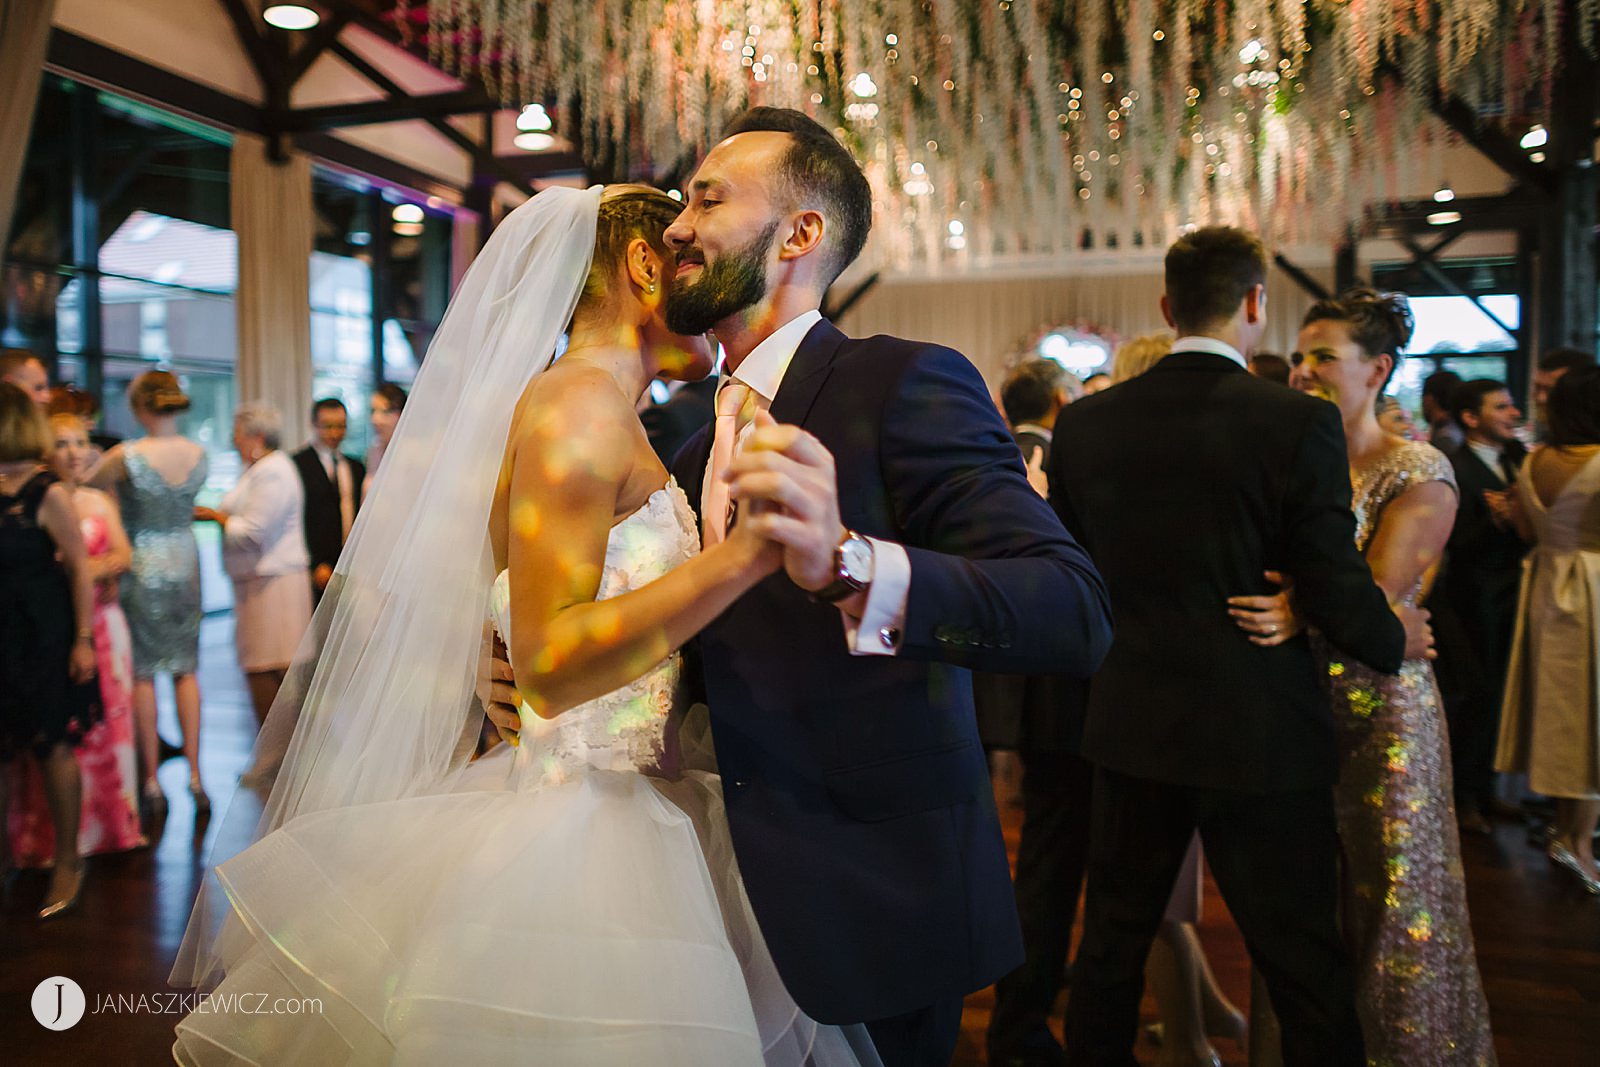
{"points": [[726, 286]]}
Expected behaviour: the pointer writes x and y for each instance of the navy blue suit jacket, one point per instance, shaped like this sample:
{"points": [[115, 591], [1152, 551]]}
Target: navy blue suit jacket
{"points": [[856, 787]]}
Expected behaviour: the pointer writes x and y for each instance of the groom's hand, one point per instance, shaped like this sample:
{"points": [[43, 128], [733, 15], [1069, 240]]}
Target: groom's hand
{"points": [[786, 487], [498, 693]]}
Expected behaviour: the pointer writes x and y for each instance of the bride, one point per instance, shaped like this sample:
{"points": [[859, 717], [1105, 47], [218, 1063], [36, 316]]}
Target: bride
{"points": [[571, 898]]}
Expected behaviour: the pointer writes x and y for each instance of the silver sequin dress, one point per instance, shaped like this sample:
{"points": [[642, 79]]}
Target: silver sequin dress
{"points": [[1404, 901], [161, 591]]}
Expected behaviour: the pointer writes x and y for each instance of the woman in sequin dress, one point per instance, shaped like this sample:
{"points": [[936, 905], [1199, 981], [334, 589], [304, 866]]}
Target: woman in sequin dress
{"points": [[155, 480], [1405, 907]]}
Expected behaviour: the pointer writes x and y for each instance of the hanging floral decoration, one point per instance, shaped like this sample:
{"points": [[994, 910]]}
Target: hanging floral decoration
{"points": [[1004, 127]]}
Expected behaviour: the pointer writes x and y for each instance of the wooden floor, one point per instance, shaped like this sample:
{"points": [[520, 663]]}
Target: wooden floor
{"points": [[1538, 938]]}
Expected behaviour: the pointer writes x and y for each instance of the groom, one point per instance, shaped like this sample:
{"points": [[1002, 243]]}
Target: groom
{"points": [[841, 706]]}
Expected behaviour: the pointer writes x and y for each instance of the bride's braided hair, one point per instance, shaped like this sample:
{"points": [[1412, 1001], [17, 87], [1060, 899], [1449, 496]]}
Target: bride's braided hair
{"points": [[626, 212]]}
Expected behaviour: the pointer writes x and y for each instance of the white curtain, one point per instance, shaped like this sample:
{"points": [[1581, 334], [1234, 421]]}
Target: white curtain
{"points": [[990, 320], [24, 38], [272, 217]]}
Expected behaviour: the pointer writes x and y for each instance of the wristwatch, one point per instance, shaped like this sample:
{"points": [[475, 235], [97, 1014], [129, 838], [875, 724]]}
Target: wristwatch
{"points": [[852, 569]]}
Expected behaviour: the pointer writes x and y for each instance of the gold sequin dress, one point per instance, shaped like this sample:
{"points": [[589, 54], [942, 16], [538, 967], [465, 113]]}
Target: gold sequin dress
{"points": [[1404, 901]]}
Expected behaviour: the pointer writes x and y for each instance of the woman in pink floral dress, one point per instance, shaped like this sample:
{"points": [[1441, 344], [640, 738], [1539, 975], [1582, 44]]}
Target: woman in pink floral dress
{"points": [[110, 819]]}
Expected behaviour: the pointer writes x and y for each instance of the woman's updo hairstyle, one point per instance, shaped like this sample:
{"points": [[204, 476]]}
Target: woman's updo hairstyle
{"points": [[157, 392], [626, 212], [1380, 323]]}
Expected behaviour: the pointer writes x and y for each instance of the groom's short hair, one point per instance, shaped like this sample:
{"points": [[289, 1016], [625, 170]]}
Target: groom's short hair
{"points": [[820, 171], [1208, 273]]}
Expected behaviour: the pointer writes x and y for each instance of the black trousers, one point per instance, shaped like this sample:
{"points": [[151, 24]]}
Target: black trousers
{"points": [[1477, 642], [923, 1038], [1274, 857], [1057, 790]]}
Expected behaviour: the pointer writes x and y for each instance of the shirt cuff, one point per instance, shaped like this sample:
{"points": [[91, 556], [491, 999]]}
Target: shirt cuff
{"points": [[877, 632]]}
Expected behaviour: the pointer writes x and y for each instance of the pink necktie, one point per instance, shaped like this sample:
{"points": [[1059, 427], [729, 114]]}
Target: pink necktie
{"points": [[731, 399]]}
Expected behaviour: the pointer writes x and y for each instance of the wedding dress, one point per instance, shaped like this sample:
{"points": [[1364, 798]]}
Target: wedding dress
{"points": [[570, 901]]}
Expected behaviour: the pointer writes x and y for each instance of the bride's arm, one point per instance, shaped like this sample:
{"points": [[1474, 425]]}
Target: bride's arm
{"points": [[571, 456]]}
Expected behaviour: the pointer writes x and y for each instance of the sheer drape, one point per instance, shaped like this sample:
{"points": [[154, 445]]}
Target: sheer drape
{"points": [[24, 38], [272, 216]]}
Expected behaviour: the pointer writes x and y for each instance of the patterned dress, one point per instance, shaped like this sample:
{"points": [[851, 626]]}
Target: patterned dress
{"points": [[110, 816], [161, 593], [1405, 906]]}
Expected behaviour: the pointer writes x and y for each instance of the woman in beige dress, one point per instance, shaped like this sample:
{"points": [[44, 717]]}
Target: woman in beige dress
{"points": [[1550, 728]]}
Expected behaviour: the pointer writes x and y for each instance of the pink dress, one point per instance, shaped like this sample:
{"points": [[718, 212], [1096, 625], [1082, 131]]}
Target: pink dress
{"points": [[110, 820]]}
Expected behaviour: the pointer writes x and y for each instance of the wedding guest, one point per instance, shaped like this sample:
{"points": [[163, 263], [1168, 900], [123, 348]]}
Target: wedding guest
{"points": [[1404, 905], [1190, 726], [27, 372], [264, 552], [155, 479], [1551, 724], [1133, 358], [70, 400], [1552, 365], [1443, 433], [47, 660], [332, 483], [1483, 568], [388, 401], [670, 425], [1394, 419], [110, 805], [1273, 368]]}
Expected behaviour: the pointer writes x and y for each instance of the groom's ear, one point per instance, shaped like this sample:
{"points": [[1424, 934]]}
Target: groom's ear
{"points": [[804, 235]]}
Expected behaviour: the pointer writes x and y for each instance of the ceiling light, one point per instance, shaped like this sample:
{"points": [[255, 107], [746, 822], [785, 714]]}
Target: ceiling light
{"points": [[1444, 195], [957, 228], [863, 86], [1535, 157], [291, 16], [407, 213], [534, 118], [408, 229], [533, 142], [1444, 218], [1536, 137]]}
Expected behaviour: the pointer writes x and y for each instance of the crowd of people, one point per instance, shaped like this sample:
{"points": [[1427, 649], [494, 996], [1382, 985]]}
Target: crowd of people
{"points": [[1499, 550], [1283, 563], [79, 745]]}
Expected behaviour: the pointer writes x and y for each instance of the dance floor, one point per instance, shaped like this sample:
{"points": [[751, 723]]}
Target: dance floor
{"points": [[1538, 937]]}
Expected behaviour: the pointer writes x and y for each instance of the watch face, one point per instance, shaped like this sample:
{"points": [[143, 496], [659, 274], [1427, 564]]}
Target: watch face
{"points": [[855, 559]]}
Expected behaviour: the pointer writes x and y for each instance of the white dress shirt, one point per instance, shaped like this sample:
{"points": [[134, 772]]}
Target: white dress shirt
{"points": [[263, 536], [1493, 458], [877, 632], [1211, 345], [338, 471]]}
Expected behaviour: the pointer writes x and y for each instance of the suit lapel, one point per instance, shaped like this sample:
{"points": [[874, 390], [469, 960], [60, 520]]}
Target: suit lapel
{"points": [[807, 371]]}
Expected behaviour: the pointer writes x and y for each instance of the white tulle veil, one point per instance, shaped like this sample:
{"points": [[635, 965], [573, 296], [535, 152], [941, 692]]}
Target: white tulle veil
{"points": [[380, 702]]}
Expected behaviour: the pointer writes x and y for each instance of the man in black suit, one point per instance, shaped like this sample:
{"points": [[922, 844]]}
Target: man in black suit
{"points": [[332, 483], [915, 549], [1041, 716], [1482, 571], [670, 425], [1187, 484]]}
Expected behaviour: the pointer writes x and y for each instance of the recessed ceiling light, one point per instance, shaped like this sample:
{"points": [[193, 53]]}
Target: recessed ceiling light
{"points": [[407, 213], [1444, 195], [291, 16], [1536, 137], [534, 118], [533, 142]]}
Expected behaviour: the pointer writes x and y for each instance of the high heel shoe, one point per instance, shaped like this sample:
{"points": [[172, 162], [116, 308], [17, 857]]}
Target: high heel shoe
{"points": [[155, 801], [202, 803], [1565, 857], [57, 908]]}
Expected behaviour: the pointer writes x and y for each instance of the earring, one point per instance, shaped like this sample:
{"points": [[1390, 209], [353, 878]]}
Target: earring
{"points": [[651, 288]]}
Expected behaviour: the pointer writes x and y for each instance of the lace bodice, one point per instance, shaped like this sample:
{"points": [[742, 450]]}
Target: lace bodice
{"points": [[625, 729]]}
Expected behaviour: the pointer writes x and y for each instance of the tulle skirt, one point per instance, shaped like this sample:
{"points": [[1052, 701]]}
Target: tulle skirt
{"points": [[595, 921]]}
